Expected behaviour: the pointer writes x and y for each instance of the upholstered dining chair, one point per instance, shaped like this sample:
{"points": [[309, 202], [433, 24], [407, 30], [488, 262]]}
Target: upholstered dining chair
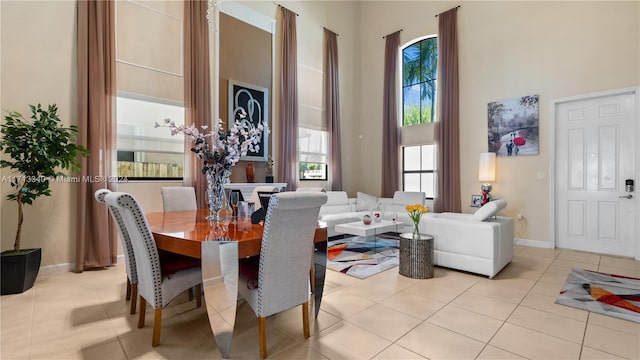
{"points": [[255, 199], [129, 257], [281, 280], [158, 285], [178, 198]]}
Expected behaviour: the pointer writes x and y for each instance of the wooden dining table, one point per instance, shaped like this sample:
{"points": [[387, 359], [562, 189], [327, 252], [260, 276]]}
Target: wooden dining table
{"points": [[220, 245]]}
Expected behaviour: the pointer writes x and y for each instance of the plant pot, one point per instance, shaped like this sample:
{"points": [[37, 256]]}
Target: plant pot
{"points": [[269, 179], [19, 269]]}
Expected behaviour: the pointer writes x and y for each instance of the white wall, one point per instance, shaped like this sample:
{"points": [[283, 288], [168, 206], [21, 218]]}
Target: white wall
{"points": [[506, 50]]}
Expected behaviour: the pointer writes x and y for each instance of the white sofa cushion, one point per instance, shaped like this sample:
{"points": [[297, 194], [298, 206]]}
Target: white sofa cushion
{"points": [[365, 202], [489, 210], [408, 198], [337, 198]]}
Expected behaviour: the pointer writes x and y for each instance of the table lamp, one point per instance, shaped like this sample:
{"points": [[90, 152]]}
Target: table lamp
{"points": [[486, 173]]}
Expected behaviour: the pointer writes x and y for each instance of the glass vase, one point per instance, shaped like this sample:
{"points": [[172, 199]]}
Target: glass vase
{"points": [[416, 231], [216, 180]]}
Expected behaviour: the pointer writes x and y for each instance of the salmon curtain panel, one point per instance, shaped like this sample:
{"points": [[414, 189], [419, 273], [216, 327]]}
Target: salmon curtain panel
{"points": [[447, 129], [391, 135], [332, 106], [288, 145], [197, 89], [96, 242]]}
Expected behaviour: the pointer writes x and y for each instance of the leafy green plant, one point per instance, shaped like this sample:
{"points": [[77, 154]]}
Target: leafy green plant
{"points": [[37, 148]]}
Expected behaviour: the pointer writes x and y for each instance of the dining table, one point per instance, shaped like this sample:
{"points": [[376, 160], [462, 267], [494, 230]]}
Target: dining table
{"points": [[220, 245]]}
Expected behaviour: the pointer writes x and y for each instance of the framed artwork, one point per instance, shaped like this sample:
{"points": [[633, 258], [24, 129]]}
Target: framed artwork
{"points": [[476, 200], [254, 101], [513, 126]]}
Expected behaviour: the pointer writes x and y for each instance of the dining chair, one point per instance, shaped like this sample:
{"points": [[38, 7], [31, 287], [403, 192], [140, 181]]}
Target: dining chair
{"points": [[129, 257], [280, 279], [255, 199], [159, 282], [178, 198]]}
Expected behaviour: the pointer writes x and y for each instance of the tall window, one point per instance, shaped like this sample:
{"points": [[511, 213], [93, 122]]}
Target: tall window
{"points": [[146, 152], [419, 74], [312, 148], [417, 169]]}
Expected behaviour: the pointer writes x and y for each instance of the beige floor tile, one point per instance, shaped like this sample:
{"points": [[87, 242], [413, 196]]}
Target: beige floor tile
{"points": [[435, 291], [548, 289], [518, 271], [612, 341], [611, 322], [624, 271], [546, 303], [618, 262], [581, 257], [342, 305], [390, 278], [412, 305], [384, 322], [514, 283], [491, 307], [473, 325], [550, 324], [533, 345], [107, 351], [370, 291], [453, 279], [492, 289], [347, 341], [434, 342], [493, 353], [300, 351], [593, 354], [540, 252], [395, 352]]}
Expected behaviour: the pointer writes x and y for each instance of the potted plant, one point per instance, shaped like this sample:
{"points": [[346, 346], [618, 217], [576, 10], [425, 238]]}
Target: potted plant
{"points": [[37, 149]]}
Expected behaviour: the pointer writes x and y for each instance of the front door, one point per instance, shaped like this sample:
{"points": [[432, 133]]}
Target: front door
{"points": [[595, 155]]}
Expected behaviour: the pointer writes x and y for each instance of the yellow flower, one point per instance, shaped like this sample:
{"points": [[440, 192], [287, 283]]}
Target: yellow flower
{"points": [[415, 212]]}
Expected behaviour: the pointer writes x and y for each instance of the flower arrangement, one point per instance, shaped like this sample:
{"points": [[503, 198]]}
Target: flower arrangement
{"points": [[415, 212], [220, 149]]}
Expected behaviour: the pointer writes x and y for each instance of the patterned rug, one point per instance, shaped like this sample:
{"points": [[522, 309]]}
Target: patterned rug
{"points": [[606, 294], [362, 257]]}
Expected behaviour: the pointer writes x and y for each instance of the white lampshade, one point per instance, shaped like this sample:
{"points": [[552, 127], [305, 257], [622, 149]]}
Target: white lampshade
{"points": [[487, 167]]}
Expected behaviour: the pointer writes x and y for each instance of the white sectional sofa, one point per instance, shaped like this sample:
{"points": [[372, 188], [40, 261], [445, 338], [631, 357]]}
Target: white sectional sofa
{"points": [[341, 209], [480, 243]]}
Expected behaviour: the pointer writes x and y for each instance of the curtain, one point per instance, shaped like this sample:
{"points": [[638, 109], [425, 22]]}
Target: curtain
{"points": [[288, 145], [96, 242], [197, 89], [390, 137], [332, 106], [447, 130]]}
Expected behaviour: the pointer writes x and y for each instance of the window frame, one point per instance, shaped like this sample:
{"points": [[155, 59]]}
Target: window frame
{"points": [[325, 177], [434, 80], [432, 171]]}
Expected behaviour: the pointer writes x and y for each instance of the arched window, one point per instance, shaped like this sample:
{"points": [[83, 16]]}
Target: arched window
{"points": [[419, 74]]}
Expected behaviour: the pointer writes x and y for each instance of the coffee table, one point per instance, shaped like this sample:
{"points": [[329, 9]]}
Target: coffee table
{"points": [[373, 229]]}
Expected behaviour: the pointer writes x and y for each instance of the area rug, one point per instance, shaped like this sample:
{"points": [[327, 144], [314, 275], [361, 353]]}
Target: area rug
{"points": [[606, 294], [362, 257]]}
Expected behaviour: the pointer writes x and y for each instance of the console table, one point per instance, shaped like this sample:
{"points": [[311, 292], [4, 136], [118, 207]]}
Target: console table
{"points": [[246, 189]]}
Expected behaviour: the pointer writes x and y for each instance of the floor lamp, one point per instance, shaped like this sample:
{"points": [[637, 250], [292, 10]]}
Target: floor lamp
{"points": [[486, 173]]}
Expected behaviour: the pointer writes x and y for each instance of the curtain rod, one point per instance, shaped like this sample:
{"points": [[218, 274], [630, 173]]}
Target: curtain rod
{"points": [[331, 31], [448, 10], [392, 33], [282, 7]]}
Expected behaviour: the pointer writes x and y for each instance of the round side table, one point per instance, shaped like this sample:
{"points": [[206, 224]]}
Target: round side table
{"points": [[416, 256]]}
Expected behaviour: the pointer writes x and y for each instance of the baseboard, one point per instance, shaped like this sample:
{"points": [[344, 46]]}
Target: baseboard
{"points": [[66, 267], [532, 243]]}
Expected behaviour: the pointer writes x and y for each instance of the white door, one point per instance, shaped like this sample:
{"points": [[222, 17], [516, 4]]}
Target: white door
{"points": [[595, 154]]}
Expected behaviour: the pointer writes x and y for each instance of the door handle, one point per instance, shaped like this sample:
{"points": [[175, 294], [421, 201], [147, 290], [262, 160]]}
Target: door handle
{"points": [[629, 196]]}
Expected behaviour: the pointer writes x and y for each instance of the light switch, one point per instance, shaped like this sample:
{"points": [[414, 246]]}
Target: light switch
{"points": [[541, 175]]}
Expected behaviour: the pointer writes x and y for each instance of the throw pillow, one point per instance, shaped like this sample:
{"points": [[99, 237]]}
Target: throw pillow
{"points": [[489, 210], [365, 202]]}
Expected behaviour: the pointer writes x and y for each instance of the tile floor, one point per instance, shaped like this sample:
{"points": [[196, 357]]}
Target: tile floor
{"points": [[452, 316]]}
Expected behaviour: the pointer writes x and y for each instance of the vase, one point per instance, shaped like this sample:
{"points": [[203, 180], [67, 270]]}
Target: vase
{"points": [[216, 180], [416, 231], [250, 171]]}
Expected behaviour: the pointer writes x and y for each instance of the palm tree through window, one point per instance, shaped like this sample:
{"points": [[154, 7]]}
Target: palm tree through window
{"points": [[419, 74]]}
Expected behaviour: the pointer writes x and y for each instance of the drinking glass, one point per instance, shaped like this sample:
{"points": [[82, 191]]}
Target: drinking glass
{"points": [[394, 217], [233, 200]]}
